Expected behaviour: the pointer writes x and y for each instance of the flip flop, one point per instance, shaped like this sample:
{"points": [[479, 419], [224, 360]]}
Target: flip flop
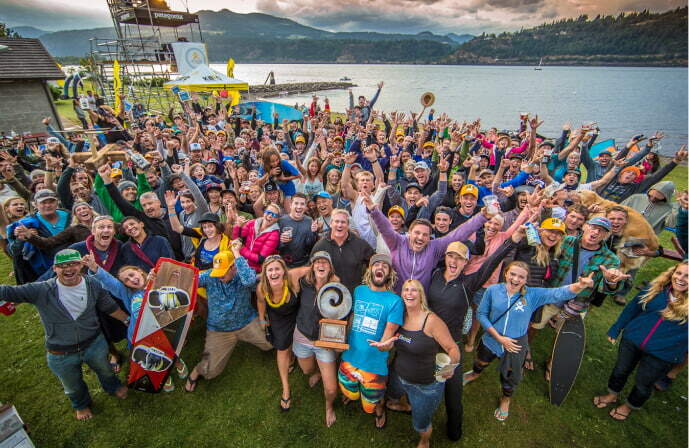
{"points": [[286, 401], [618, 416], [182, 373], [190, 385], [600, 403], [500, 415], [466, 381], [383, 417]]}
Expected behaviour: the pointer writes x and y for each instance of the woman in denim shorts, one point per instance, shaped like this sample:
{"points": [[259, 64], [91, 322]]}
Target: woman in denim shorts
{"points": [[420, 338], [308, 281]]}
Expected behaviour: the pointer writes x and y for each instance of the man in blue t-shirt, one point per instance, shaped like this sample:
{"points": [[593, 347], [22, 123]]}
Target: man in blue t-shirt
{"points": [[378, 313]]}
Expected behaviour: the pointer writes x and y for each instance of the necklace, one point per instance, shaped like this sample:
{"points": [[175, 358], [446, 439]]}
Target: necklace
{"points": [[285, 294]]}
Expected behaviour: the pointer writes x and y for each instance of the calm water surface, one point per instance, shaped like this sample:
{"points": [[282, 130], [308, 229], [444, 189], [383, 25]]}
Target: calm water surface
{"points": [[622, 100]]}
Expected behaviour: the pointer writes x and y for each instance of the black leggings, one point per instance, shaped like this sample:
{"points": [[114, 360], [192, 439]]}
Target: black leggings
{"points": [[484, 355], [453, 404]]}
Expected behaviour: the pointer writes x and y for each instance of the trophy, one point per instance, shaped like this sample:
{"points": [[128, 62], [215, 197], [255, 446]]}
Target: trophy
{"points": [[334, 303]]}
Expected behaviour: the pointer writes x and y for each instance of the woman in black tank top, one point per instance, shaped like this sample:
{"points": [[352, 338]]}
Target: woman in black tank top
{"points": [[420, 338]]}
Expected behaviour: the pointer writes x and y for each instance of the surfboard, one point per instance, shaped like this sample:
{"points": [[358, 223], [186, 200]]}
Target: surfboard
{"points": [[162, 325], [266, 109], [568, 353]]}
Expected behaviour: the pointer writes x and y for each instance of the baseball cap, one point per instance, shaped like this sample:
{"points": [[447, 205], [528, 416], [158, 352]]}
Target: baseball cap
{"points": [[484, 172], [66, 256], [126, 184], [515, 155], [321, 254], [601, 222], [323, 194], [194, 147], [44, 195], [208, 217], [524, 189], [574, 171], [604, 152], [385, 258], [412, 185], [421, 166], [270, 186], [429, 143], [218, 187], [300, 139], [554, 224], [633, 169], [52, 140], [469, 189], [115, 172], [459, 248], [396, 209], [222, 262], [212, 161]]}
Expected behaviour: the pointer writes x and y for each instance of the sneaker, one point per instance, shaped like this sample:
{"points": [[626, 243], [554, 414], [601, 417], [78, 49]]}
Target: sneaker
{"points": [[620, 300], [184, 371], [169, 386]]}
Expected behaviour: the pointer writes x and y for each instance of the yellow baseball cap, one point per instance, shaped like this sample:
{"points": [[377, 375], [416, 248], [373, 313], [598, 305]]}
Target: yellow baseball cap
{"points": [[459, 248], [399, 131], [300, 139], [222, 262], [115, 172], [429, 143], [396, 209], [554, 224], [469, 189]]}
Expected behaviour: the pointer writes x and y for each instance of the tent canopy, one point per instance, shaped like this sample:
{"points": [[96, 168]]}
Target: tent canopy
{"points": [[203, 78]]}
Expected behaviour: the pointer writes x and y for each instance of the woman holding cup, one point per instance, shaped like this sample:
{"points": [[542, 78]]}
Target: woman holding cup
{"points": [[417, 343]]}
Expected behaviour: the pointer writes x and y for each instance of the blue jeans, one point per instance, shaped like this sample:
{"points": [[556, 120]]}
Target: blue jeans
{"points": [[67, 368], [423, 398]]}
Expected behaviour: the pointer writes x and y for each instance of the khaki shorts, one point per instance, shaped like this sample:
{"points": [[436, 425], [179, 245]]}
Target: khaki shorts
{"points": [[220, 344]]}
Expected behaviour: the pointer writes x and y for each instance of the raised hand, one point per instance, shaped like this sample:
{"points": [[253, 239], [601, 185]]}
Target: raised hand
{"points": [[170, 200], [350, 157], [90, 262], [613, 275], [681, 155], [534, 123], [368, 202], [585, 282]]}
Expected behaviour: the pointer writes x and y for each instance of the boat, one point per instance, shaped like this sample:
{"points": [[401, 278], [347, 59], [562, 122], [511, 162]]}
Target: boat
{"points": [[345, 78], [540, 64]]}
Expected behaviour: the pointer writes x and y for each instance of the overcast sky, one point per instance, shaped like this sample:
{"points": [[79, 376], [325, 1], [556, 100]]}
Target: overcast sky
{"points": [[406, 16]]}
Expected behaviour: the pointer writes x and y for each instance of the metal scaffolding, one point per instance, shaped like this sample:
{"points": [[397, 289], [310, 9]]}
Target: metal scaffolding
{"points": [[144, 30]]}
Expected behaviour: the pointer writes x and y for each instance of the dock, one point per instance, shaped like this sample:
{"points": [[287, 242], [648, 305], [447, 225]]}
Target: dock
{"points": [[273, 90]]}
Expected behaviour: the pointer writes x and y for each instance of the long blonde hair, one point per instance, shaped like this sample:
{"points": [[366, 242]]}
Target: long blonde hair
{"points": [[389, 284], [422, 294], [543, 255], [675, 311]]}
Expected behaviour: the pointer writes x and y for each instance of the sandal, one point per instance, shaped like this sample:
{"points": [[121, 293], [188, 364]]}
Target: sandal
{"points": [[383, 417], [286, 402], [465, 378], [500, 415], [184, 371], [616, 415], [115, 365], [663, 384], [600, 403], [398, 407], [528, 362], [190, 385]]}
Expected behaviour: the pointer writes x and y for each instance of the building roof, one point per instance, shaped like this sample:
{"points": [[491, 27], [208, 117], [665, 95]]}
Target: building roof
{"points": [[27, 59]]}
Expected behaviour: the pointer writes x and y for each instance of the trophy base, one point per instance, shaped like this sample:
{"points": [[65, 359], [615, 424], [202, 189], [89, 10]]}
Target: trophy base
{"points": [[333, 334], [333, 345]]}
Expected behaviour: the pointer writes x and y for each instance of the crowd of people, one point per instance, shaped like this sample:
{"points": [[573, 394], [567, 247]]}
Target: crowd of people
{"points": [[452, 238]]}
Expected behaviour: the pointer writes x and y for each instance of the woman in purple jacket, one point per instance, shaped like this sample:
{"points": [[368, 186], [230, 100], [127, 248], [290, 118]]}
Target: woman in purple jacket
{"points": [[654, 339]]}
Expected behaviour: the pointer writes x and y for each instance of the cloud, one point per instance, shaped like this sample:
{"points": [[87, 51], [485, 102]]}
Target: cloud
{"points": [[459, 16], [54, 15]]}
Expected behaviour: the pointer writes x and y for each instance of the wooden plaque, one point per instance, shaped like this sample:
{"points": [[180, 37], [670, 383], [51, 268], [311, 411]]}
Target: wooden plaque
{"points": [[333, 334]]}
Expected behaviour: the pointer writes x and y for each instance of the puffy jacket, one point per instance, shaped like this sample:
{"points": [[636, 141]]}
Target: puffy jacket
{"points": [[257, 244], [648, 330]]}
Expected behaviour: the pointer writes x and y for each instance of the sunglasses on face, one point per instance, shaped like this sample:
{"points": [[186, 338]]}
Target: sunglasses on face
{"points": [[271, 213]]}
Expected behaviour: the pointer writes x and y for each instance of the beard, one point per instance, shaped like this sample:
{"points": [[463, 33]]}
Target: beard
{"points": [[379, 282]]}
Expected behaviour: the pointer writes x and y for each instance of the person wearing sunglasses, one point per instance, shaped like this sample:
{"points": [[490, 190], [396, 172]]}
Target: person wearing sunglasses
{"points": [[261, 236]]}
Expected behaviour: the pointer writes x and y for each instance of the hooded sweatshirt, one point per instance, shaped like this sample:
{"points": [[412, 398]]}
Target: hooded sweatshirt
{"points": [[654, 212]]}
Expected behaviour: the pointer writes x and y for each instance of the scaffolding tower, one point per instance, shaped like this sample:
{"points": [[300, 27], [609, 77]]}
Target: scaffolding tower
{"points": [[144, 32]]}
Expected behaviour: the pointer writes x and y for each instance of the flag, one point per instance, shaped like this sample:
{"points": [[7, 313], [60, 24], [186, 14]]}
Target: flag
{"points": [[230, 68], [234, 94], [599, 147], [116, 86]]}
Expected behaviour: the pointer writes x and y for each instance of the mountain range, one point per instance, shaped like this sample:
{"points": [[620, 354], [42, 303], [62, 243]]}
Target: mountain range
{"points": [[638, 38]]}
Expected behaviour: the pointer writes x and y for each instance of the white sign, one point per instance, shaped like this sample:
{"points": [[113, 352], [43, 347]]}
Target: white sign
{"points": [[189, 55]]}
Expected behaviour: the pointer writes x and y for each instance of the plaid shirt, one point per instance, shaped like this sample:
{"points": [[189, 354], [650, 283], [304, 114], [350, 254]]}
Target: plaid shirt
{"points": [[602, 256]]}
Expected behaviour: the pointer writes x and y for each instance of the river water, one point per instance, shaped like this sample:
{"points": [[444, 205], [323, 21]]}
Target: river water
{"points": [[622, 100]]}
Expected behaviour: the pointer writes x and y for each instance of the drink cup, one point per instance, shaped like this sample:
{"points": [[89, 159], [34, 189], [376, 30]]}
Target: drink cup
{"points": [[287, 231], [492, 203], [7, 308], [441, 360]]}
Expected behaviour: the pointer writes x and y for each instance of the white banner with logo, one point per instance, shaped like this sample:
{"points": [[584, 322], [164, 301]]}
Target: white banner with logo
{"points": [[189, 55]]}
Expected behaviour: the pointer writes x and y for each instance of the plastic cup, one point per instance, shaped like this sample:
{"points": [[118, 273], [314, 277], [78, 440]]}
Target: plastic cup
{"points": [[441, 360], [492, 203], [287, 231]]}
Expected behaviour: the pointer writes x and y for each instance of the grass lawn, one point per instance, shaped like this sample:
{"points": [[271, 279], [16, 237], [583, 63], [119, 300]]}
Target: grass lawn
{"points": [[240, 408]]}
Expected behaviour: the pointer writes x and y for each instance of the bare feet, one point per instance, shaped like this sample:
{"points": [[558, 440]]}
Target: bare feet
{"points": [[469, 377], [397, 406], [330, 417], [468, 347], [503, 410], [314, 379], [84, 414], [121, 393]]}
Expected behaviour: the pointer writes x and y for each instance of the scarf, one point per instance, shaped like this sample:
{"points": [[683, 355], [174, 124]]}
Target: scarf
{"points": [[113, 249], [140, 253]]}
